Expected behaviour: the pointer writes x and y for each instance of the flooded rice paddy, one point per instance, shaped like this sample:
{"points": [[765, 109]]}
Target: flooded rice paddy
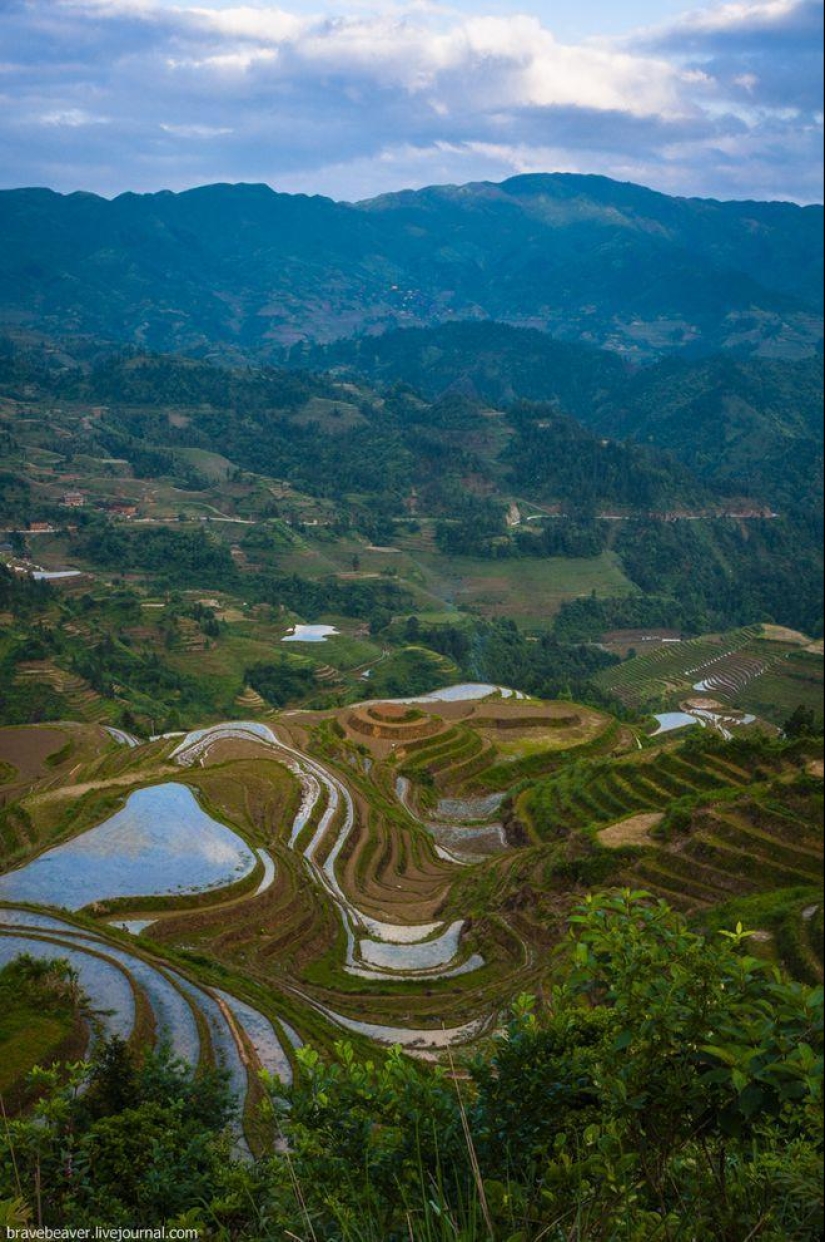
{"points": [[111, 975], [160, 844], [723, 722], [106, 986], [316, 781], [465, 692]]}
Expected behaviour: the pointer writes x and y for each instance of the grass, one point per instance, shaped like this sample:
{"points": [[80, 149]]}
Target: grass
{"points": [[780, 914], [28, 1037], [212, 466], [795, 681], [529, 590], [39, 1023]]}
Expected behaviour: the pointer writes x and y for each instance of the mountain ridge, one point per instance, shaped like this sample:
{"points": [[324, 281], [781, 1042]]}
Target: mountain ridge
{"points": [[246, 269]]}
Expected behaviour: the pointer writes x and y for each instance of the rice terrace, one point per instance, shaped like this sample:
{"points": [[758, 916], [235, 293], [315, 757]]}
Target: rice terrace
{"points": [[392, 871]]}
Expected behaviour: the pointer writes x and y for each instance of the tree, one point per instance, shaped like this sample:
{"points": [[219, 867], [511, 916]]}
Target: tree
{"points": [[801, 723]]}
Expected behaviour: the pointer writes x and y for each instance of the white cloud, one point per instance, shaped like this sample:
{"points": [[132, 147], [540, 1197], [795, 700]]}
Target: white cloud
{"points": [[401, 93], [733, 18], [195, 131], [245, 22], [71, 117], [225, 62]]}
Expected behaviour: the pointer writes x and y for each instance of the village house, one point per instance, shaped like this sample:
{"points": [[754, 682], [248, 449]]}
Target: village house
{"points": [[123, 509]]}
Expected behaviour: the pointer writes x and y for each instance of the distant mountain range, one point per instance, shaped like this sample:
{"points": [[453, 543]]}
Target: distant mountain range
{"points": [[242, 271]]}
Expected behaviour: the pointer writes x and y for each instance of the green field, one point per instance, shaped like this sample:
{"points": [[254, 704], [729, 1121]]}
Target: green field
{"points": [[531, 590], [740, 668]]}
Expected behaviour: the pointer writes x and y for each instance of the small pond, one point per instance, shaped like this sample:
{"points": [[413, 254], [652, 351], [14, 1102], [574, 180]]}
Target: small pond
{"points": [[309, 634]]}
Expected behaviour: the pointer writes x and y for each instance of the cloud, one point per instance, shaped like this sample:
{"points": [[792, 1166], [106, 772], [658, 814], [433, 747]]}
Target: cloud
{"points": [[718, 102], [770, 51], [72, 117]]}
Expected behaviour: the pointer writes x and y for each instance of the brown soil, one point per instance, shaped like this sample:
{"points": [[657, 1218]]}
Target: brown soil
{"points": [[390, 723], [27, 748], [640, 640], [527, 722], [227, 750], [75, 790], [781, 634], [389, 711], [632, 831]]}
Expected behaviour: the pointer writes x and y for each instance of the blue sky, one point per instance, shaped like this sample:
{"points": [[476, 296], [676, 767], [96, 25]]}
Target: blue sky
{"points": [[720, 99]]}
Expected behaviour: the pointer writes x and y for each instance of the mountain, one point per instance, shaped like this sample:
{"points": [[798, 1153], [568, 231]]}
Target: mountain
{"points": [[491, 361], [481, 499], [244, 271], [751, 425]]}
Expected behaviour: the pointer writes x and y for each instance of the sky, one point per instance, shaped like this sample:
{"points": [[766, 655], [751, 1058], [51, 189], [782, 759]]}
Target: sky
{"points": [[720, 100]]}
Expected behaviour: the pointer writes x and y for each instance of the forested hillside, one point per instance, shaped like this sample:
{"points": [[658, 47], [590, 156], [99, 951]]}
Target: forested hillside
{"points": [[242, 269]]}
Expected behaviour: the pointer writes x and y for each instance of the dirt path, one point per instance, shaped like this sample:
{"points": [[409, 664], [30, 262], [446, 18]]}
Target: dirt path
{"points": [[74, 791]]}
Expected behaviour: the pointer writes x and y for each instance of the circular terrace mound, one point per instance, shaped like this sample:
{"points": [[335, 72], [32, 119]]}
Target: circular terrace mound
{"points": [[394, 713], [394, 721]]}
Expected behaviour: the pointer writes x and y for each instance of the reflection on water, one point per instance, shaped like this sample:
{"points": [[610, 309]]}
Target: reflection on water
{"points": [[673, 720], [467, 691], [407, 1037], [468, 809], [160, 844], [261, 1035], [106, 986], [309, 634], [722, 721], [425, 955]]}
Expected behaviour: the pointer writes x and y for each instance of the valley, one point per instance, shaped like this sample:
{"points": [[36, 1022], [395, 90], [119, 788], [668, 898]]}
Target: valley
{"points": [[411, 715]]}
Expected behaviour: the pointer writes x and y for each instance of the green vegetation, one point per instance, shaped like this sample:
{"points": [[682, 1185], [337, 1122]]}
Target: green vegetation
{"points": [[682, 272], [330, 501], [39, 1022], [673, 1088], [473, 502]]}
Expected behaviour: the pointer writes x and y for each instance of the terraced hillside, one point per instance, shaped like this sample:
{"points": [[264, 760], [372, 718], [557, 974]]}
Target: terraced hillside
{"points": [[129, 993], [700, 825], [398, 871], [760, 669], [599, 792]]}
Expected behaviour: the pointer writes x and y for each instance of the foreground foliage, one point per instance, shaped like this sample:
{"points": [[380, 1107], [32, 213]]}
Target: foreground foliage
{"points": [[670, 1088]]}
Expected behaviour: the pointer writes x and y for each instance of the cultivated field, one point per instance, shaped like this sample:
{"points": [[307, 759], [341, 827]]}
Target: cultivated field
{"points": [[750, 669]]}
